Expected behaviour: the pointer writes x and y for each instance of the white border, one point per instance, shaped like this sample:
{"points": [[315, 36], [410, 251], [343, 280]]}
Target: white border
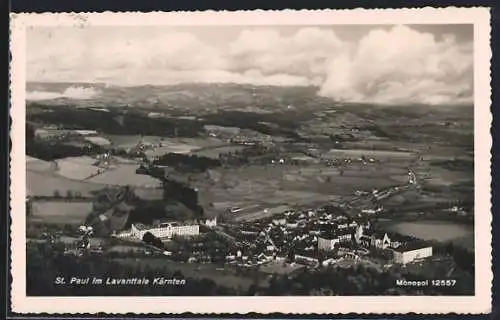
{"points": [[480, 303]]}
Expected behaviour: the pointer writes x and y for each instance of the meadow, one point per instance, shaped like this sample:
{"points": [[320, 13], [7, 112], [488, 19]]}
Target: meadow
{"points": [[60, 212]]}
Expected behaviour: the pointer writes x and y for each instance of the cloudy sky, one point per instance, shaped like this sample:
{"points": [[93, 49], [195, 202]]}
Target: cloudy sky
{"points": [[381, 64]]}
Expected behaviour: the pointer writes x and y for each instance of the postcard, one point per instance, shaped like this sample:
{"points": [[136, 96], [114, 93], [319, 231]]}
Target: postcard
{"points": [[300, 162]]}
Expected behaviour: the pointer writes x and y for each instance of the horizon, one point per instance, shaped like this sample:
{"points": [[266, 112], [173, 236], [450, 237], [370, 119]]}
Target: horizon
{"points": [[429, 64], [93, 93]]}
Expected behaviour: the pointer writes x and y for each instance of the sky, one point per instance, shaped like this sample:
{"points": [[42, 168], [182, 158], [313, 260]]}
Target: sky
{"points": [[431, 64]]}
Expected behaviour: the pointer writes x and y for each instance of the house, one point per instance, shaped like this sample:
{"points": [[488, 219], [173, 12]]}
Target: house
{"points": [[365, 241], [211, 222], [345, 236], [410, 252], [306, 259], [328, 262], [264, 258], [292, 225], [353, 224], [279, 222]]}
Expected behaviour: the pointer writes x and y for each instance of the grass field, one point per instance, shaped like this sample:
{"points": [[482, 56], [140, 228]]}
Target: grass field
{"points": [[47, 184], [376, 154], [149, 193], [260, 213], [60, 212], [124, 175], [34, 164], [76, 168]]}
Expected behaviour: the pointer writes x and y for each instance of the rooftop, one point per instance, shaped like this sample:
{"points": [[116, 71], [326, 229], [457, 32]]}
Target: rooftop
{"points": [[411, 246], [140, 226]]}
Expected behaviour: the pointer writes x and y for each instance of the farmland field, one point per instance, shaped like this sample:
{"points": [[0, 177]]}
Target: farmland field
{"points": [[149, 193], [34, 164], [47, 184], [260, 187], [60, 212], [130, 141], [124, 175], [181, 145], [378, 154], [260, 213], [76, 168]]}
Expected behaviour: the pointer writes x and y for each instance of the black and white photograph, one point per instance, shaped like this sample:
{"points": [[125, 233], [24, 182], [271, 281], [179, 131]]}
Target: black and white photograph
{"points": [[249, 160]]}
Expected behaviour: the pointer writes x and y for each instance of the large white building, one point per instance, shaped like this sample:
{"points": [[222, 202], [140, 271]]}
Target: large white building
{"points": [[165, 230], [408, 253]]}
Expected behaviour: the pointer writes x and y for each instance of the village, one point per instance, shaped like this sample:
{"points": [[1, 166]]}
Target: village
{"points": [[284, 243]]}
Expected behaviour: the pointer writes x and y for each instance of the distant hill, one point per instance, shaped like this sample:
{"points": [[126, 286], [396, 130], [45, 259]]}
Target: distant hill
{"points": [[195, 97]]}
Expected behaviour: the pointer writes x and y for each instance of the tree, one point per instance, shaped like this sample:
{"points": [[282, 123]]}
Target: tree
{"points": [[69, 194], [56, 194], [149, 238]]}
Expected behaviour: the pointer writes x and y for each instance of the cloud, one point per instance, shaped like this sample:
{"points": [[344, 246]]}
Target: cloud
{"points": [[78, 93], [396, 65], [305, 53], [402, 65]]}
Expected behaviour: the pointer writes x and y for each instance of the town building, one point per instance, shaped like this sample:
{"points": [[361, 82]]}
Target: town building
{"points": [[327, 243], [279, 222], [85, 132], [359, 233], [365, 241], [380, 242], [211, 222], [165, 230], [345, 236], [410, 252], [306, 259]]}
